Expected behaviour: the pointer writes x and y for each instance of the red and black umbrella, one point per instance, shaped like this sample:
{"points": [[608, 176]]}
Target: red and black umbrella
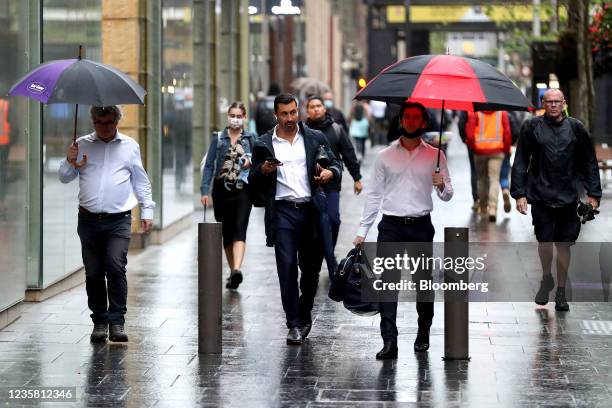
{"points": [[445, 81]]}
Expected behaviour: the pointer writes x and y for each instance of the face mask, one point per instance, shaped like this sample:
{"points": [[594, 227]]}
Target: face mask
{"points": [[412, 135], [235, 122], [328, 103]]}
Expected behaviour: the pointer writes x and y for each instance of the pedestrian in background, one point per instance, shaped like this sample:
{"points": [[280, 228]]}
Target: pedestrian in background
{"points": [[340, 144], [489, 137], [553, 156], [226, 171], [336, 114], [109, 168], [264, 110], [379, 133], [359, 126]]}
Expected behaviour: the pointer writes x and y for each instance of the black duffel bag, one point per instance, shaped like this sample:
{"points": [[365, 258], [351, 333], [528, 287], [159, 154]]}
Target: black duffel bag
{"points": [[352, 278]]}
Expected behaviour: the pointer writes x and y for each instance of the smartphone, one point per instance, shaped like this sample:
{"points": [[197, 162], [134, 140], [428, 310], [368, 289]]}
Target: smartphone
{"points": [[273, 160]]}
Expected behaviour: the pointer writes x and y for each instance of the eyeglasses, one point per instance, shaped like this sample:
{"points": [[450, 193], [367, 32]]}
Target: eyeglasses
{"points": [[105, 123], [554, 102]]}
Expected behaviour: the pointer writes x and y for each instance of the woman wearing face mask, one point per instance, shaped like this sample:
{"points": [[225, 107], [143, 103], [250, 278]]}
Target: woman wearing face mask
{"points": [[226, 170]]}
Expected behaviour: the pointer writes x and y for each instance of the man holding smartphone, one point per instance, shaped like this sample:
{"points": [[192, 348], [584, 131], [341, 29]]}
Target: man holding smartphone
{"points": [[287, 175]]}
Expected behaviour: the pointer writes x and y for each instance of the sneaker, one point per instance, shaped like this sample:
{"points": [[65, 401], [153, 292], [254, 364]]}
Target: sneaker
{"points": [[117, 333], [561, 304], [234, 280], [99, 333], [546, 285], [506, 196]]}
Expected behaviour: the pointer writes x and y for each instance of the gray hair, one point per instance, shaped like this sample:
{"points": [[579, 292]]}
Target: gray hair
{"points": [[99, 111]]}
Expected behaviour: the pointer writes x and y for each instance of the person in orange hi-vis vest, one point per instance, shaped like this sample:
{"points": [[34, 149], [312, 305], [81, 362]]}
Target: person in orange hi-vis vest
{"points": [[5, 140], [488, 136]]}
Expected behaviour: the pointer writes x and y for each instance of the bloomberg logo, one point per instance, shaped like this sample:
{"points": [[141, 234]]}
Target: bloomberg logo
{"points": [[35, 87]]}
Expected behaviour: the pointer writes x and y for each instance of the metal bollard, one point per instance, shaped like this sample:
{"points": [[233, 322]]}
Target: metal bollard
{"points": [[456, 303], [209, 287]]}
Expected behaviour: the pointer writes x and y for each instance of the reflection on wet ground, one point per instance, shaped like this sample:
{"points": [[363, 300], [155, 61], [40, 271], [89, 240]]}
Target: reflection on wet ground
{"points": [[520, 355]]}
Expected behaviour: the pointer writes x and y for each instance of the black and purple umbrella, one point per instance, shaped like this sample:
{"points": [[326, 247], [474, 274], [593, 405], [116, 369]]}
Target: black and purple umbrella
{"points": [[446, 81], [79, 81]]}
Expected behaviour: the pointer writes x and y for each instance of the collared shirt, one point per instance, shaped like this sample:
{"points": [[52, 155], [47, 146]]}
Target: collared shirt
{"points": [[111, 176], [292, 176], [402, 184]]}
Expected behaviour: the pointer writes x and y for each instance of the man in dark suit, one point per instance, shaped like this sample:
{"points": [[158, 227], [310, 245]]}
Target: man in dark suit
{"points": [[287, 177]]}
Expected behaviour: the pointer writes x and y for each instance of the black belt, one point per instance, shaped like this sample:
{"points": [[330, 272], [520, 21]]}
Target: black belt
{"points": [[103, 216], [407, 220], [295, 204]]}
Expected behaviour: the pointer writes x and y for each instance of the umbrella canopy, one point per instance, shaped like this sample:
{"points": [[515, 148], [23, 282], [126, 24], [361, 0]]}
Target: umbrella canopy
{"points": [[310, 86], [447, 81], [79, 81]]}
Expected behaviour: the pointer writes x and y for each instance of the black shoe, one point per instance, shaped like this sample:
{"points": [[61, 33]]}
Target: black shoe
{"points": [[561, 304], [99, 333], [389, 350], [294, 337], [546, 285], [234, 280], [117, 333], [305, 329], [421, 343]]}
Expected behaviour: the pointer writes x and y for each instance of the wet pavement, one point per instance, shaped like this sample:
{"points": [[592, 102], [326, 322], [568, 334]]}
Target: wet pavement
{"points": [[520, 355]]}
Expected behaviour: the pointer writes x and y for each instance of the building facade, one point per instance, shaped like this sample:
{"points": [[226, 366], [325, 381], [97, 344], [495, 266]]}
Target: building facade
{"points": [[190, 56]]}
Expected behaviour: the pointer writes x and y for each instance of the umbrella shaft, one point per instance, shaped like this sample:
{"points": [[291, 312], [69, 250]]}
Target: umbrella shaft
{"points": [[74, 131]]}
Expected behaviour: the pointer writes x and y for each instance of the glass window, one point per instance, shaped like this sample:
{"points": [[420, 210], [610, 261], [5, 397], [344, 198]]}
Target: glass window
{"points": [[66, 24], [13, 139], [177, 97]]}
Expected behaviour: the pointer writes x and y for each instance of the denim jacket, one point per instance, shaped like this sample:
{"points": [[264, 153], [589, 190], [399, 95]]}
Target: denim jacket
{"points": [[215, 157]]}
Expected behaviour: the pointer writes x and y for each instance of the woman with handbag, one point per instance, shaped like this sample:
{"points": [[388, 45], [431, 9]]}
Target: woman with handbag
{"points": [[226, 170]]}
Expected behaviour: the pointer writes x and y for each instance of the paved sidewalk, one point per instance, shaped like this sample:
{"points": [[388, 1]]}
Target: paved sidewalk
{"points": [[521, 355]]}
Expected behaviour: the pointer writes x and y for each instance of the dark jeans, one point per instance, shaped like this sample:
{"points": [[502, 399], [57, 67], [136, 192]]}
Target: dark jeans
{"points": [[295, 245], [104, 246], [395, 235], [360, 143], [504, 175], [333, 210], [473, 175]]}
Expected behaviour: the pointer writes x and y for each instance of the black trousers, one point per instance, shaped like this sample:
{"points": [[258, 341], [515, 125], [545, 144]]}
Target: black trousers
{"points": [[104, 246], [473, 176], [295, 245], [395, 236]]}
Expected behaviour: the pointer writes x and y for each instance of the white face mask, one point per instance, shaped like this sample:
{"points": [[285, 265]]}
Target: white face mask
{"points": [[328, 103], [235, 122]]}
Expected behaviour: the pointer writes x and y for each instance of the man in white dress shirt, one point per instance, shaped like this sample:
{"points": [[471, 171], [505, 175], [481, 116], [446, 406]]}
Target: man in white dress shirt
{"points": [[110, 172], [404, 177], [288, 178]]}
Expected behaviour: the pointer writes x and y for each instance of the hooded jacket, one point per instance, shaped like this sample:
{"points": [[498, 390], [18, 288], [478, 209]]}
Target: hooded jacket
{"points": [[341, 145], [551, 159]]}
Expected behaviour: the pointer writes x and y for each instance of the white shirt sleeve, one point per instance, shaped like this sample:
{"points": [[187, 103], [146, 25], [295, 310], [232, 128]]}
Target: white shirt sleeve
{"points": [[142, 187], [374, 198], [447, 193], [67, 172]]}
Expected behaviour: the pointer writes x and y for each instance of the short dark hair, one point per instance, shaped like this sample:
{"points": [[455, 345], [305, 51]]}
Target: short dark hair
{"points": [[314, 98], [99, 111], [423, 109], [237, 105], [284, 99]]}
